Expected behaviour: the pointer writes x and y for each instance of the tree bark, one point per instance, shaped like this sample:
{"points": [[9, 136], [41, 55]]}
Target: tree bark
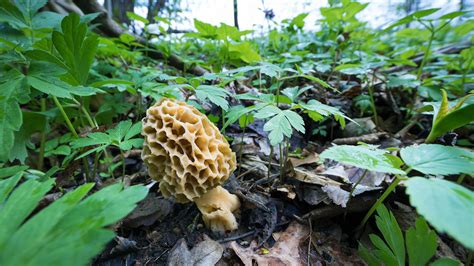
{"points": [[110, 28], [236, 15]]}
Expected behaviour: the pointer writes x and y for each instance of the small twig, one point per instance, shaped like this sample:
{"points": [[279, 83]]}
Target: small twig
{"points": [[369, 138], [237, 237]]}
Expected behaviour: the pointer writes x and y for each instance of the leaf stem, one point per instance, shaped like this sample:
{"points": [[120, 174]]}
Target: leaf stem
{"points": [[379, 201], [74, 133], [425, 57], [357, 183], [66, 118], [43, 137]]}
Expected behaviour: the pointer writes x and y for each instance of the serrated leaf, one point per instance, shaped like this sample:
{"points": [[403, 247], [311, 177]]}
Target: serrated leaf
{"points": [[215, 95], [435, 159], [392, 234], [421, 243], [447, 206], [362, 157], [70, 229], [11, 117], [75, 48]]}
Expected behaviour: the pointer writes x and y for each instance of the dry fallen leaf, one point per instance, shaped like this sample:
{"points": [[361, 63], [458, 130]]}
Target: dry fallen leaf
{"points": [[207, 252], [309, 159], [286, 250]]}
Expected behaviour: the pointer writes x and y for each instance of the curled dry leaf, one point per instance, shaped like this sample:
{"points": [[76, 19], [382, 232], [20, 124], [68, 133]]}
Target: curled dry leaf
{"points": [[286, 251]]}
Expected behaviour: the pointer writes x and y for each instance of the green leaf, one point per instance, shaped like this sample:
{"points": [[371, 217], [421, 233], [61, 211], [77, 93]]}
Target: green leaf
{"points": [[435, 159], [70, 229], [214, 94], [323, 110], [421, 243], [11, 117], [19, 206], [29, 7], [281, 123], [446, 262], [6, 186], [76, 50], [368, 256], [424, 13], [12, 170], [448, 118], [245, 52], [134, 16], [453, 15], [33, 122], [363, 157], [392, 234], [447, 206]]}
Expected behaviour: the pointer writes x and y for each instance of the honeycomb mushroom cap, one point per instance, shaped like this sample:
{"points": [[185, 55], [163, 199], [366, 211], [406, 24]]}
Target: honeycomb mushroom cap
{"points": [[184, 151]]}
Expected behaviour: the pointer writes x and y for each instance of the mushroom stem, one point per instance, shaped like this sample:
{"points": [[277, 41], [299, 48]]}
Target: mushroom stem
{"points": [[217, 207]]}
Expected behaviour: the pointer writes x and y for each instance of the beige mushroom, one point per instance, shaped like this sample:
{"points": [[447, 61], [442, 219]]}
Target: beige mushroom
{"points": [[190, 158]]}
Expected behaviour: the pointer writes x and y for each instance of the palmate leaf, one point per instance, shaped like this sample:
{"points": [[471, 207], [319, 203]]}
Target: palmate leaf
{"points": [[76, 49], [363, 157], [447, 206], [392, 250], [281, 123], [70, 229], [317, 111], [13, 91], [214, 94], [435, 159], [421, 243]]}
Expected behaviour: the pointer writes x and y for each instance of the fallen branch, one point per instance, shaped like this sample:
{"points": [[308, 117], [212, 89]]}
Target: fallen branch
{"points": [[369, 138]]}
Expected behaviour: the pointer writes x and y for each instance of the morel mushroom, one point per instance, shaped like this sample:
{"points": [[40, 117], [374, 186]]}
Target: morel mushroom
{"points": [[190, 158]]}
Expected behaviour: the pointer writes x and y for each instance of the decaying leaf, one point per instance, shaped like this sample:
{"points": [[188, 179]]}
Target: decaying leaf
{"points": [[309, 159], [207, 252], [340, 196], [286, 251], [306, 176]]}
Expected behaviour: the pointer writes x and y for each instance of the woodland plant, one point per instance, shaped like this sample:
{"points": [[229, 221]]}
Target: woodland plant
{"points": [[71, 103]]}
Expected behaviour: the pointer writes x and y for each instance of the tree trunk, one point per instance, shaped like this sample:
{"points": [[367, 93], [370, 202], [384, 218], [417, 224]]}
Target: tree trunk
{"points": [[154, 8], [236, 15]]}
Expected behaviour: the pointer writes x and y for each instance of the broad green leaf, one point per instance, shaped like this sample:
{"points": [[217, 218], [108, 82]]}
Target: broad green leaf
{"points": [[446, 118], [421, 243], [245, 52], [447, 206], [435, 159], [446, 262], [362, 157]]}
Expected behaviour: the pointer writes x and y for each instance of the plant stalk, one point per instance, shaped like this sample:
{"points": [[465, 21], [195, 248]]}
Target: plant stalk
{"points": [[43, 137], [425, 57], [379, 201]]}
